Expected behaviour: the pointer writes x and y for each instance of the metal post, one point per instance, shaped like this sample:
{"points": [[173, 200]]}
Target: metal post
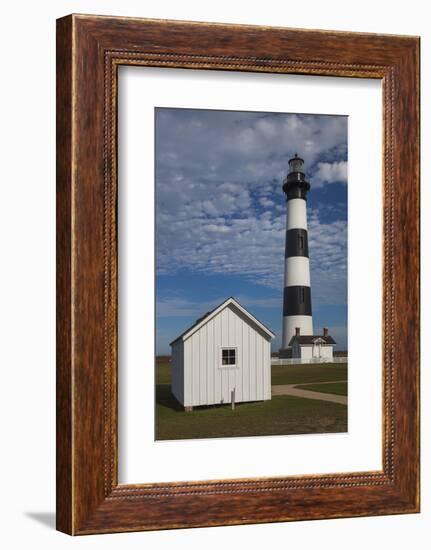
{"points": [[232, 398]]}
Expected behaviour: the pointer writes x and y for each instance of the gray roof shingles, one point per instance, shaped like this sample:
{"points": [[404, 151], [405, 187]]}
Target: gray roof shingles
{"points": [[309, 339]]}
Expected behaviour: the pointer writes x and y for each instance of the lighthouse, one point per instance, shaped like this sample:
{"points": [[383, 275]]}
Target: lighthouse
{"points": [[297, 316]]}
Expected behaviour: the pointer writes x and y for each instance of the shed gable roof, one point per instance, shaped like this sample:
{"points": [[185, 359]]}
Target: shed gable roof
{"points": [[210, 314]]}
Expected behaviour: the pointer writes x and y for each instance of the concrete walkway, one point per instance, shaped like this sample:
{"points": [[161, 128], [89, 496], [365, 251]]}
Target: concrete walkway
{"points": [[289, 389]]}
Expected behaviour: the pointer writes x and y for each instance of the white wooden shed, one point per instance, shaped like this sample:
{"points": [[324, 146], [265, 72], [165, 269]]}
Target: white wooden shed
{"points": [[224, 356]]}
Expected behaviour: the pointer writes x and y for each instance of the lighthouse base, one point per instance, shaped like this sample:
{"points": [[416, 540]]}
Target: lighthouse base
{"points": [[290, 325]]}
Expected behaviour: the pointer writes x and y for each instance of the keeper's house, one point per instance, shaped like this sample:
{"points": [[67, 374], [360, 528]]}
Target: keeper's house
{"points": [[225, 356], [315, 348]]}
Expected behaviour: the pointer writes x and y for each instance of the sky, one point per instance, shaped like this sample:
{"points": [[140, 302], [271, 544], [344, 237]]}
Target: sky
{"points": [[221, 215]]}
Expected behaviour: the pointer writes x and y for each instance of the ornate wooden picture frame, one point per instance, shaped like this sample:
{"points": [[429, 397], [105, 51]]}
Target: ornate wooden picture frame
{"points": [[89, 51]]}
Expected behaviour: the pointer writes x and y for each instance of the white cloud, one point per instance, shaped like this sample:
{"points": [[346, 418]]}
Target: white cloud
{"points": [[217, 228], [328, 172], [267, 203]]}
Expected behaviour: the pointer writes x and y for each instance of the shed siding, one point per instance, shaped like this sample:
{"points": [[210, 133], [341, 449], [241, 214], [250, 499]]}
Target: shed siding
{"points": [[239, 371], [211, 364], [177, 366], [259, 369], [252, 363], [224, 342], [246, 362], [206, 381], [203, 367], [194, 367], [267, 370], [188, 379], [217, 339]]}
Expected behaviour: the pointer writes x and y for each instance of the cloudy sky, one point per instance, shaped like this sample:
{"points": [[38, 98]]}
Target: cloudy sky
{"points": [[221, 215]]}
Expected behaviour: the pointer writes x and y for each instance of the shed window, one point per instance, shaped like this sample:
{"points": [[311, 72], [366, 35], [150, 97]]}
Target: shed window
{"points": [[228, 357]]}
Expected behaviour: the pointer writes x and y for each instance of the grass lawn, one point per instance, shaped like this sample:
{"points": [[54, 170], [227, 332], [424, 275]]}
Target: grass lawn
{"points": [[307, 374], [280, 416], [163, 373], [337, 388], [290, 374]]}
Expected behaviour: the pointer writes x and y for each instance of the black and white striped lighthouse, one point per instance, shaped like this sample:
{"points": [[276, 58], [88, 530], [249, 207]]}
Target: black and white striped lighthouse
{"points": [[297, 317]]}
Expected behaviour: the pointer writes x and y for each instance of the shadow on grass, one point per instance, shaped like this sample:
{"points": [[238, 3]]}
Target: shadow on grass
{"points": [[165, 398]]}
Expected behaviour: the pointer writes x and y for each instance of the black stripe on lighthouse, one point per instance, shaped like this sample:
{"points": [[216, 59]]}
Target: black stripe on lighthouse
{"points": [[297, 300], [296, 243]]}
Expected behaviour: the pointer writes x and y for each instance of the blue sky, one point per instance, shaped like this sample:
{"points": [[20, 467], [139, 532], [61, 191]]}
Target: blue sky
{"points": [[221, 215]]}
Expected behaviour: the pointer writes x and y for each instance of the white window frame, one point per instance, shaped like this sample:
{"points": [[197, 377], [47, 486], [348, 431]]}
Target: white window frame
{"points": [[221, 357]]}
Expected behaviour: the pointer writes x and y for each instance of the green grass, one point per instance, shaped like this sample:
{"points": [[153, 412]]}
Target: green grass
{"points": [[336, 388], [281, 415], [163, 373], [307, 374], [289, 374]]}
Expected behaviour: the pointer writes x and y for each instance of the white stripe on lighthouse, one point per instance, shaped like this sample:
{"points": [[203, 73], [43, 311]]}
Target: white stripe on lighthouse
{"points": [[297, 271], [296, 214], [291, 322]]}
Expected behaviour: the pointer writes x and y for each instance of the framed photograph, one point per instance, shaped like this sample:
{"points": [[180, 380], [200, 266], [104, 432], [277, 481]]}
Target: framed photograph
{"points": [[237, 274]]}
